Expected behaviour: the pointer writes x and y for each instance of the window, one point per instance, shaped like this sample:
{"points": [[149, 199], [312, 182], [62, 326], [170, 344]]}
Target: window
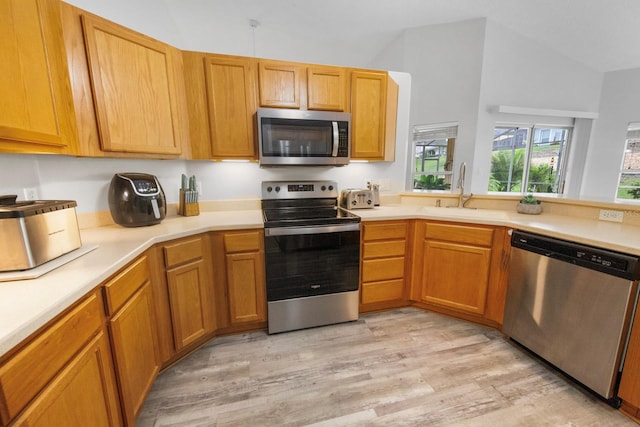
{"points": [[629, 183], [433, 156], [528, 159]]}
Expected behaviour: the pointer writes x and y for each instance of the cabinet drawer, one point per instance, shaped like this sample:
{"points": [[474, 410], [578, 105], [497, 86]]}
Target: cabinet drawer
{"points": [[242, 242], [385, 230], [459, 233], [382, 269], [26, 373], [183, 251], [383, 249], [119, 289], [388, 290]]}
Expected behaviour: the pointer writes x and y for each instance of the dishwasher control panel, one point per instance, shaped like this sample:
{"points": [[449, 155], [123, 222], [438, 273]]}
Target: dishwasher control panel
{"points": [[611, 262]]}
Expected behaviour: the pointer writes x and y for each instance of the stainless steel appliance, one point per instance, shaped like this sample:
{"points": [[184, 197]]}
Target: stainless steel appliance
{"points": [[136, 199], [312, 255], [356, 199], [36, 231], [572, 305], [300, 137]]}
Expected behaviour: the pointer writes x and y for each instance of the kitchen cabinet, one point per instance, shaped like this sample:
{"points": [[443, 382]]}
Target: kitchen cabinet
{"points": [[37, 112], [240, 265], [629, 390], [302, 86], [190, 290], [135, 84], [221, 104], [374, 100], [63, 375], [133, 334], [460, 269], [384, 254], [279, 83]]}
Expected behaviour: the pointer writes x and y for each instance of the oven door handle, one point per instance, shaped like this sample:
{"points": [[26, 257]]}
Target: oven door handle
{"points": [[314, 229]]}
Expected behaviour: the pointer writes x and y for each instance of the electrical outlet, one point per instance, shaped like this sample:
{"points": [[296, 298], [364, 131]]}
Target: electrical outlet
{"points": [[30, 193], [609, 215]]}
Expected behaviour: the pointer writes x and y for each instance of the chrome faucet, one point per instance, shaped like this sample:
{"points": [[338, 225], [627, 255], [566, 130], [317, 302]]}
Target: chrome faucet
{"points": [[462, 198]]}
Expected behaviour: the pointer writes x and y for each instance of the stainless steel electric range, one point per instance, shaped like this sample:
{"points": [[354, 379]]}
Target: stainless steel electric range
{"points": [[312, 255]]}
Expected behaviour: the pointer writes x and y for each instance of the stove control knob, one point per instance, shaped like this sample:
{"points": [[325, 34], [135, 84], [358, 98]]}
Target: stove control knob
{"points": [[277, 188], [354, 202], [269, 189], [323, 188], [331, 188]]}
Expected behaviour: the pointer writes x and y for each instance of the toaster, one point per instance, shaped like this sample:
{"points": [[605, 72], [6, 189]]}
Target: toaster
{"points": [[356, 199], [36, 231], [136, 200]]}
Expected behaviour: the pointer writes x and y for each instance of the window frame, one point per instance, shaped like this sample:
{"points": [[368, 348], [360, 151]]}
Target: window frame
{"points": [[437, 131], [562, 162]]}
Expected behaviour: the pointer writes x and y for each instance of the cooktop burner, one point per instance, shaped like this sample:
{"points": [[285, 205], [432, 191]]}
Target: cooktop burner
{"points": [[302, 203]]}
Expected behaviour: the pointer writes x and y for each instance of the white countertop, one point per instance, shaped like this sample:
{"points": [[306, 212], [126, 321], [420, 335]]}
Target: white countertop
{"points": [[26, 305]]}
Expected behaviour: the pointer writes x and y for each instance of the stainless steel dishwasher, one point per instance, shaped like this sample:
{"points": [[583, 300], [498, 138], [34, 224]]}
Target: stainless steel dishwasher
{"points": [[572, 305]]}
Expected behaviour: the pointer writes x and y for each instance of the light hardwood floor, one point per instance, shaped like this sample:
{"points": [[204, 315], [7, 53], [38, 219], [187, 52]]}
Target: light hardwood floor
{"points": [[399, 368]]}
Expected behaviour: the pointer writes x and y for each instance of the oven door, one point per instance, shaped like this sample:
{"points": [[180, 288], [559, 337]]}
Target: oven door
{"points": [[311, 261]]}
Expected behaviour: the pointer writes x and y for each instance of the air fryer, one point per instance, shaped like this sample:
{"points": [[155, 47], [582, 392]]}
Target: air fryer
{"points": [[136, 200]]}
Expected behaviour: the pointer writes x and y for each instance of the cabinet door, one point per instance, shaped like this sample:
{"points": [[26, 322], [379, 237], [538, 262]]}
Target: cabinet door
{"points": [[134, 335], [192, 307], [82, 394], [368, 113], [456, 275], [246, 287], [231, 100], [134, 88], [326, 88], [630, 382], [36, 112], [280, 84]]}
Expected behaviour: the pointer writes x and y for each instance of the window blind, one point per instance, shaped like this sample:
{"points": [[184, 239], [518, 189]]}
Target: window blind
{"points": [[427, 132]]}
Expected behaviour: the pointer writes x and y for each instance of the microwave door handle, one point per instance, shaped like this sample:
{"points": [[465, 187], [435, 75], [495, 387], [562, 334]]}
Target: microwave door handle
{"points": [[336, 139]]}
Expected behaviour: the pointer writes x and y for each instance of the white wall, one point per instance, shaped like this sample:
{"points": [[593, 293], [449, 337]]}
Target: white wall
{"points": [[620, 105], [445, 63], [519, 72]]}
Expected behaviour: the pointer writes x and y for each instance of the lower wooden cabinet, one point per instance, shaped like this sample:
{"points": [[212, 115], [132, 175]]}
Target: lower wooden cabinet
{"points": [[133, 335], [63, 375], [191, 293], [244, 257], [83, 394], [629, 390], [239, 267], [460, 269], [384, 251]]}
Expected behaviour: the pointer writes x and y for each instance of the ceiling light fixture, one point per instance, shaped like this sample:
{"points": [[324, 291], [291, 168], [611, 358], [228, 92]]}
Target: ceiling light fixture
{"points": [[254, 23]]}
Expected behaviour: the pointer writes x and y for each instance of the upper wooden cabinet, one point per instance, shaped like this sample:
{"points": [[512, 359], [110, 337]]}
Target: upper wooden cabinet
{"points": [[36, 112], [280, 83], [327, 88], [374, 103], [135, 89], [301, 86], [221, 102]]}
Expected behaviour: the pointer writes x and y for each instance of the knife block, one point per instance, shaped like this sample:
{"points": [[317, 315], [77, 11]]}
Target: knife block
{"points": [[187, 209]]}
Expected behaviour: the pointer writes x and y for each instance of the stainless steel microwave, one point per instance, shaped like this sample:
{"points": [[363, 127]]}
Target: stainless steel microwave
{"points": [[301, 137]]}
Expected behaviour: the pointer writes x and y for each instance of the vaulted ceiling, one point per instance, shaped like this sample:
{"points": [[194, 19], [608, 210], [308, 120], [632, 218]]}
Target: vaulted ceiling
{"points": [[602, 34]]}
